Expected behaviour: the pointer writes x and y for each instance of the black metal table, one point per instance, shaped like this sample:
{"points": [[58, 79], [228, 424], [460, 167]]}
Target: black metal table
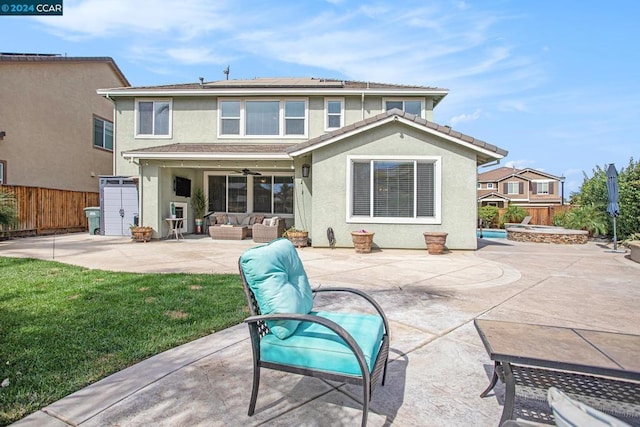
{"points": [[613, 358]]}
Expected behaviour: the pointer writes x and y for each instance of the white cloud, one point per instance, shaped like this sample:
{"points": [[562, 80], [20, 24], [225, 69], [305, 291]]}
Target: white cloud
{"points": [[182, 19], [465, 117], [521, 164]]}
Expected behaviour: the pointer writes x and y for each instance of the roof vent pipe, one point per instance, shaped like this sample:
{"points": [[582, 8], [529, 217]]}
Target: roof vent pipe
{"points": [[201, 81]]}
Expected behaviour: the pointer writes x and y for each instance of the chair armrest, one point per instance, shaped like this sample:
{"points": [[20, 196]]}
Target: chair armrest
{"points": [[329, 324], [362, 294]]}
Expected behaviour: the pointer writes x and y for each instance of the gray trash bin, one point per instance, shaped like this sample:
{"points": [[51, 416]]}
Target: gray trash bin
{"points": [[93, 217]]}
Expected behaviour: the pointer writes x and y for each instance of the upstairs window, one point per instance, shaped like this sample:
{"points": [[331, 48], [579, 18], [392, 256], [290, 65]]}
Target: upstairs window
{"points": [[513, 188], [543, 187], [3, 168], [230, 118], [153, 118], [391, 190], [102, 134], [263, 118], [334, 114], [490, 185], [406, 105]]}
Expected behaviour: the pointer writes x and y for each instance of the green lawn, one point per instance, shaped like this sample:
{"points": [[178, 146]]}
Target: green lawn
{"points": [[63, 327]]}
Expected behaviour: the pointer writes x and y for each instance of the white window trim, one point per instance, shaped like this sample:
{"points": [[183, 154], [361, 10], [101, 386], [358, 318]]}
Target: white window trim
{"points": [[136, 118], [326, 113], [281, 119], [436, 219], [490, 185], [250, 179], [2, 171], [422, 104]]}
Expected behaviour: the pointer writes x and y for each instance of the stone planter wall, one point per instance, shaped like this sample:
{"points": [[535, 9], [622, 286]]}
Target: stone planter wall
{"points": [[634, 246], [553, 235]]}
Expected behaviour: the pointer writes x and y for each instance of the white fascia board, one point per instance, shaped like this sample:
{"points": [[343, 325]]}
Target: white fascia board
{"points": [[269, 92], [203, 156]]}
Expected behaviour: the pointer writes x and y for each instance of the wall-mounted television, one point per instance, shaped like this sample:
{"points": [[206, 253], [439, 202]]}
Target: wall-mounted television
{"points": [[182, 186]]}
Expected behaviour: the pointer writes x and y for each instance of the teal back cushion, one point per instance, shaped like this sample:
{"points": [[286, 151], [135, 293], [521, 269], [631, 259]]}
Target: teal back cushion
{"points": [[275, 275]]}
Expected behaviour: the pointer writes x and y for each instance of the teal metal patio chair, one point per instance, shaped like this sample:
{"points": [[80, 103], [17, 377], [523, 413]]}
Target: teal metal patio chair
{"points": [[287, 335]]}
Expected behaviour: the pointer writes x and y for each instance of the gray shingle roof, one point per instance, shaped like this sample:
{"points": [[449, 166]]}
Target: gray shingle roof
{"points": [[445, 130], [288, 83]]}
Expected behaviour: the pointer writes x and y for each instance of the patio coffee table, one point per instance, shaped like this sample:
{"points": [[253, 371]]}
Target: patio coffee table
{"points": [[601, 369], [228, 232]]}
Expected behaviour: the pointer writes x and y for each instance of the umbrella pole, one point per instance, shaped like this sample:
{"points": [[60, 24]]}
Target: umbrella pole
{"points": [[615, 236]]}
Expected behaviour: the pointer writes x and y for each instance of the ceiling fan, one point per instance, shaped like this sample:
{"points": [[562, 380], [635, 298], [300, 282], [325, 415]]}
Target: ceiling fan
{"points": [[246, 172]]}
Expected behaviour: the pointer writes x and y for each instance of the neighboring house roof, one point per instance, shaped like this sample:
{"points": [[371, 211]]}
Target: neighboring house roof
{"points": [[211, 151], [500, 174], [486, 151], [494, 195], [35, 57], [280, 85]]}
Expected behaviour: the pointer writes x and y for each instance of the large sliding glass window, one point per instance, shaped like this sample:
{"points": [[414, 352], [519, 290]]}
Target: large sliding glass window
{"points": [[391, 189], [241, 194], [273, 194], [227, 193]]}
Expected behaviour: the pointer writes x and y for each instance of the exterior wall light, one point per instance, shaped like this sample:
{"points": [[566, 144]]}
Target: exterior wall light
{"points": [[306, 168]]}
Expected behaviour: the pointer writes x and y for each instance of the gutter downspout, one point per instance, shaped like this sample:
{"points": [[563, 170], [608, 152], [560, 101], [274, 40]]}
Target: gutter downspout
{"points": [[362, 103]]}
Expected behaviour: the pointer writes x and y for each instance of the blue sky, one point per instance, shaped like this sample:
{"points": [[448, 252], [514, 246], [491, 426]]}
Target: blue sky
{"points": [[556, 83]]}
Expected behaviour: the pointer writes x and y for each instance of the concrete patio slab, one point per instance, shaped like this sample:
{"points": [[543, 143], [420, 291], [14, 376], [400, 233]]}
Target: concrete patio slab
{"points": [[438, 365]]}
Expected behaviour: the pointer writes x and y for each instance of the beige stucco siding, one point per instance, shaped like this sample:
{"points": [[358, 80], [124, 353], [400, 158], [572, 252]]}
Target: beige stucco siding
{"points": [[458, 205], [47, 112]]}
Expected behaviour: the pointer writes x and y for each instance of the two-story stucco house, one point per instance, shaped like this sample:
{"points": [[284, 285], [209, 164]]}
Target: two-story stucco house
{"points": [[522, 187], [55, 131], [344, 155]]}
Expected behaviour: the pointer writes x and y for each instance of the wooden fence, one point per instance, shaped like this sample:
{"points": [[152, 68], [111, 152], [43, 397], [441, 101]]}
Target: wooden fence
{"points": [[542, 215], [50, 211]]}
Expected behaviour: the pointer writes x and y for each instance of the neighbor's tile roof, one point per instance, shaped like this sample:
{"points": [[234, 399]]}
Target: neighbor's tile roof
{"points": [[445, 130]]}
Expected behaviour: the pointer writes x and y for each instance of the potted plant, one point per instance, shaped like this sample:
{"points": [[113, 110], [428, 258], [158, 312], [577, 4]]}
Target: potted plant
{"points": [[199, 205], [141, 234], [173, 210], [435, 241], [299, 238], [362, 241]]}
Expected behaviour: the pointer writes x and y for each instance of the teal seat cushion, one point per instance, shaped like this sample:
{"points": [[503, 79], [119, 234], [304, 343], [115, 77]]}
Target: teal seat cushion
{"points": [[316, 347], [275, 274]]}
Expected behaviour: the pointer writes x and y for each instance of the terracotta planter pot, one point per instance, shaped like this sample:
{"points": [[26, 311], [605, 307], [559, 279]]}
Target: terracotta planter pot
{"points": [[435, 241], [362, 241], [141, 234], [299, 239]]}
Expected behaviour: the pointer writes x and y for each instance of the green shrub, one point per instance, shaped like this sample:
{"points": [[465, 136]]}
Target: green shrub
{"points": [[559, 219], [8, 211], [513, 213], [488, 216], [591, 218]]}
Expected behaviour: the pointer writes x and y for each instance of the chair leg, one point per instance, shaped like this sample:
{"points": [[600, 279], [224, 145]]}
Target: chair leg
{"points": [[384, 371], [365, 405], [254, 390]]}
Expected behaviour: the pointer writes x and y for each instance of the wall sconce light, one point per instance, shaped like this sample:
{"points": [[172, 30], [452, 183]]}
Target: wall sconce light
{"points": [[306, 168], [2, 134]]}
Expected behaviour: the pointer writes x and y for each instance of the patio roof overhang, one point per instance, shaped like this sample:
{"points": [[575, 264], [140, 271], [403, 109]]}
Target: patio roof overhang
{"points": [[249, 152]]}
